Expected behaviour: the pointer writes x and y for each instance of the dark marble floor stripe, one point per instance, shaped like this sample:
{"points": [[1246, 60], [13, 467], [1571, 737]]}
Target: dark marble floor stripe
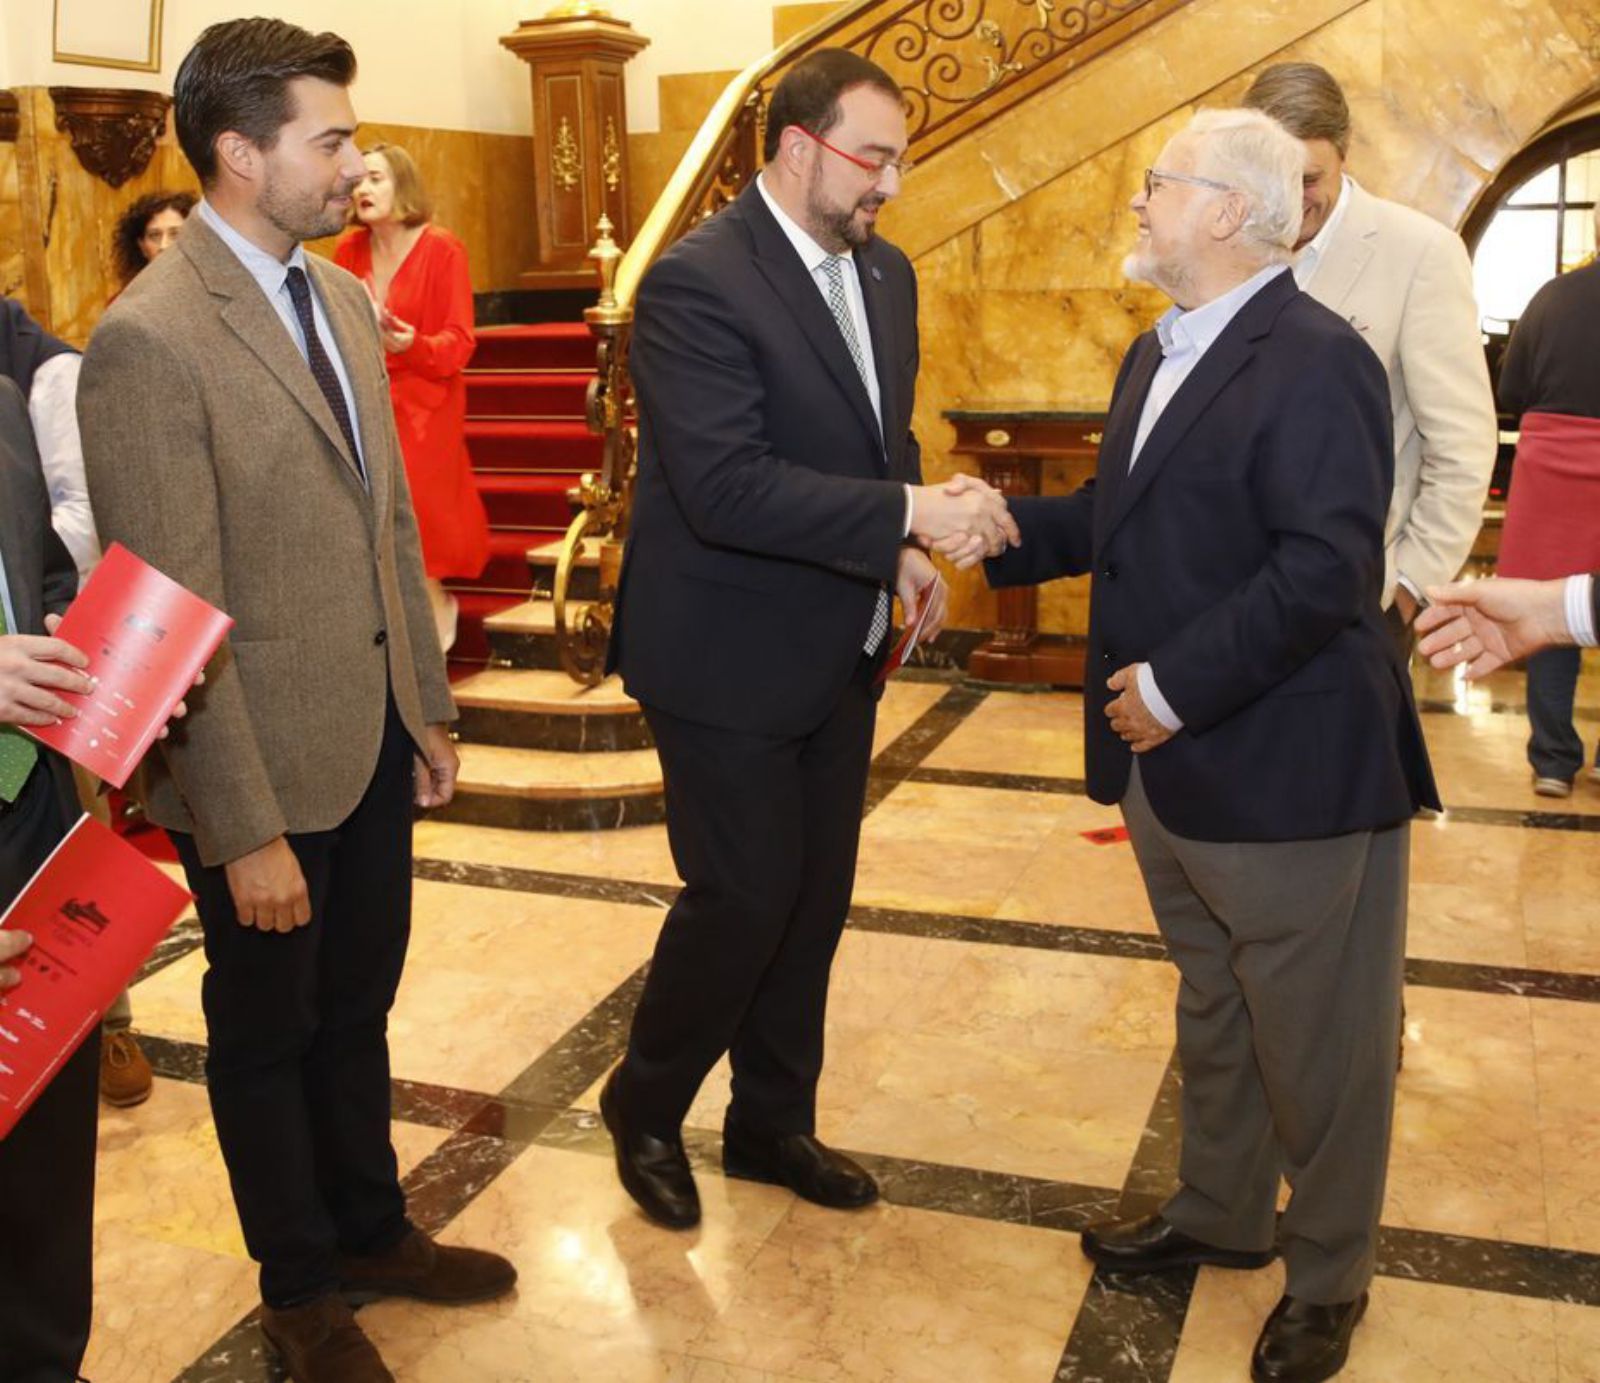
{"points": [[588, 887], [998, 931], [174, 946], [1006, 782], [1075, 787], [1528, 820], [901, 756], [1438, 705], [1130, 1328], [1490, 1265], [1504, 979]]}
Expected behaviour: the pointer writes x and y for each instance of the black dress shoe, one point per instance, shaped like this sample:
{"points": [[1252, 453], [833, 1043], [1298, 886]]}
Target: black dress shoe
{"points": [[654, 1171], [1151, 1245], [809, 1168], [1305, 1343]]}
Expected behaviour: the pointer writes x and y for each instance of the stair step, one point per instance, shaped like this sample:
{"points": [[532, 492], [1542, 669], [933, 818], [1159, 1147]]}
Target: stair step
{"points": [[584, 583], [547, 693], [538, 789], [546, 345], [523, 394], [472, 643], [538, 709], [524, 635], [530, 618], [548, 554], [526, 499], [516, 445]]}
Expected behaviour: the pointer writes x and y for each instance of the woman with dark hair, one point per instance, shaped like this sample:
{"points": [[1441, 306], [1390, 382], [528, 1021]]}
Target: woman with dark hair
{"points": [[416, 273], [145, 229]]}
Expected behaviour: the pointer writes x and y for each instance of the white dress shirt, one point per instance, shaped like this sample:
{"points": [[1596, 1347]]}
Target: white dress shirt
{"points": [[273, 276], [1309, 260], [53, 411], [812, 255], [1185, 338]]}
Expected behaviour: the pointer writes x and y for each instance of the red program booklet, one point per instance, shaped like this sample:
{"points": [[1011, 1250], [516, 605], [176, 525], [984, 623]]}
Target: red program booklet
{"points": [[146, 638], [95, 910], [901, 653]]}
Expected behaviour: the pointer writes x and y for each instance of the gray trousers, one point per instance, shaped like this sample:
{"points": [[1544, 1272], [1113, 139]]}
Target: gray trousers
{"points": [[1291, 956]]}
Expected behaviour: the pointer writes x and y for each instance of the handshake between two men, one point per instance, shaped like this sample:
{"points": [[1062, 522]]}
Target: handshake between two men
{"points": [[964, 520]]}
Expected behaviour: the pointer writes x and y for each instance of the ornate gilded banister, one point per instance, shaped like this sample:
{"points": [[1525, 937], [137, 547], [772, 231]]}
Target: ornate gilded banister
{"points": [[960, 63]]}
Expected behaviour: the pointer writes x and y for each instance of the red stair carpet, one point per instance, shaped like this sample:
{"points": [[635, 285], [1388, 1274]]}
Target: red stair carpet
{"points": [[529, 444]]}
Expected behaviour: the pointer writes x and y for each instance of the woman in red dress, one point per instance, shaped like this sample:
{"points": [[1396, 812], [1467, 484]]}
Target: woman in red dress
{"points": [[417, 275]]}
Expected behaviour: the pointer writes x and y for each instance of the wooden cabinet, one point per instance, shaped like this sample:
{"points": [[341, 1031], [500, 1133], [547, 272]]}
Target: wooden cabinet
{"points": [[1010, 444]]}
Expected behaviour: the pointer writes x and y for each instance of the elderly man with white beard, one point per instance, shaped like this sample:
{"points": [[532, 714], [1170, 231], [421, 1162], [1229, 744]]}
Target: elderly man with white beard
{"points": [[1246, 708]]}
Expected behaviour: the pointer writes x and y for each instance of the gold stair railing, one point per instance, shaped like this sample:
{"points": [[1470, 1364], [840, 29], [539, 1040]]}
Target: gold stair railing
{"points": [[960, 63]]}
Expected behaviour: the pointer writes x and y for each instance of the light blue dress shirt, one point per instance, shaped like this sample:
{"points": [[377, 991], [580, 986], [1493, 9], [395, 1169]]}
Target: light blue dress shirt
{"points": [[273, 276], [1185, 338]]}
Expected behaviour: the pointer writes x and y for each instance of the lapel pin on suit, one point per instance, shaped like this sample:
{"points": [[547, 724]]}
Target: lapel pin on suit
{"points": [[877, 274]]}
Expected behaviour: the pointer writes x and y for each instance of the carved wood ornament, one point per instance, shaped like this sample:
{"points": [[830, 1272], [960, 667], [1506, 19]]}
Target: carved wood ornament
{"points": [[113, 131]]}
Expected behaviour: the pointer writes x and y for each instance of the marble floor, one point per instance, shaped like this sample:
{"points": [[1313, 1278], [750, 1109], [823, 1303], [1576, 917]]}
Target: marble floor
{"points": [[1000, 1053]]}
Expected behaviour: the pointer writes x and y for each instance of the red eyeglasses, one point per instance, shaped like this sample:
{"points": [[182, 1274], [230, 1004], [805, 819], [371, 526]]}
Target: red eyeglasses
{"points": [[901, 166]]}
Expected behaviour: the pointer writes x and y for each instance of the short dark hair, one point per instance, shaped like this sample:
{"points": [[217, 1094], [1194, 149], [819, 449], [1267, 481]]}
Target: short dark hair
{"points": [[808, 95], [236, 77], [1305, 99], [131, 225]]}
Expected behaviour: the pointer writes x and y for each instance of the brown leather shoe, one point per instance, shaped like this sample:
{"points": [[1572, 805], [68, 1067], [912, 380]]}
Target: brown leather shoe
{"points": [[320, 1342], [418, 1267], [125, 1076]]}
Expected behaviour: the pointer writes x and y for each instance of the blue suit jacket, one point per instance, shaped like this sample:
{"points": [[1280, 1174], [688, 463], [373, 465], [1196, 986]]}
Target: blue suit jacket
{"points": [[1242, 558]]}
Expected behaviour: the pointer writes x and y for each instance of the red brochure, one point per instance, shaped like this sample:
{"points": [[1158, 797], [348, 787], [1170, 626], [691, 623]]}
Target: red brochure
{"points": [[146, 638], [901, 653], [95, 910]]}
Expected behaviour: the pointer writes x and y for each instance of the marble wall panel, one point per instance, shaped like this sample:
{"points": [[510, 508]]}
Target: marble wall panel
{"points": [[482, 185], [11, 267], [1020, 266], [482, 188]]}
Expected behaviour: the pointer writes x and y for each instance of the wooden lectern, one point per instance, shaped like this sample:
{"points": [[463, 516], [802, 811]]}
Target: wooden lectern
{"points": [[580, 134]]}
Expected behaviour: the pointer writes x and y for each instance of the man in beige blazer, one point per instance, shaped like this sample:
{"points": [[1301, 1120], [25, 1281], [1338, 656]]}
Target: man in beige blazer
{"points": [[238, 435], [1405, 283]]}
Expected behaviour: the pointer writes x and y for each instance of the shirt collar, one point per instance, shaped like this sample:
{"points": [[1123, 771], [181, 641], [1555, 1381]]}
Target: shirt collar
{"points": [[267, 270], [812, 255], [1184, 333]]}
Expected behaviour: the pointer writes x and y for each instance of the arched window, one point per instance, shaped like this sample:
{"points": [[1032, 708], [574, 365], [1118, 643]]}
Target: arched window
{"points": [[1535, 221]]}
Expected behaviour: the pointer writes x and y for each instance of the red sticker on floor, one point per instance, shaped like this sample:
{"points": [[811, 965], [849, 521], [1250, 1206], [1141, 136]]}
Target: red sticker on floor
{"points": [[1107, 835]]}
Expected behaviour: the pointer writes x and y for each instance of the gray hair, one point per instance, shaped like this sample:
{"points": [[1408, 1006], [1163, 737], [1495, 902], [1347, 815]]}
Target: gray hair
{"points": [[1305, 99], [1253, 154]]}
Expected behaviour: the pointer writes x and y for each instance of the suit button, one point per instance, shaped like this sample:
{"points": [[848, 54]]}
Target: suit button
{"points": [[381, 637], [1110, 573], [1108, 656]]}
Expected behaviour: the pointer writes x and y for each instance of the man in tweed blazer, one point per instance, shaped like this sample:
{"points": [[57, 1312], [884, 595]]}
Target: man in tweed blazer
{"points": [[238, 435]]}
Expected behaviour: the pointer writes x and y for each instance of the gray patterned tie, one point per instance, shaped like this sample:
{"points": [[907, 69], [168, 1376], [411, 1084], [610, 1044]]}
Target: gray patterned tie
{"points": [[833, 268]]}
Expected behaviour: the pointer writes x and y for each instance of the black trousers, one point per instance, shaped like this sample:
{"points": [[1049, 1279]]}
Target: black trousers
{"points": [[764, 832], [297, 1024], [47, 1161]]}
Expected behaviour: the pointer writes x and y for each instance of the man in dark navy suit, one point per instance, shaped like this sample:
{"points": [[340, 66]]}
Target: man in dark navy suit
{"points": [[779, 505], [1251, 717]]}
